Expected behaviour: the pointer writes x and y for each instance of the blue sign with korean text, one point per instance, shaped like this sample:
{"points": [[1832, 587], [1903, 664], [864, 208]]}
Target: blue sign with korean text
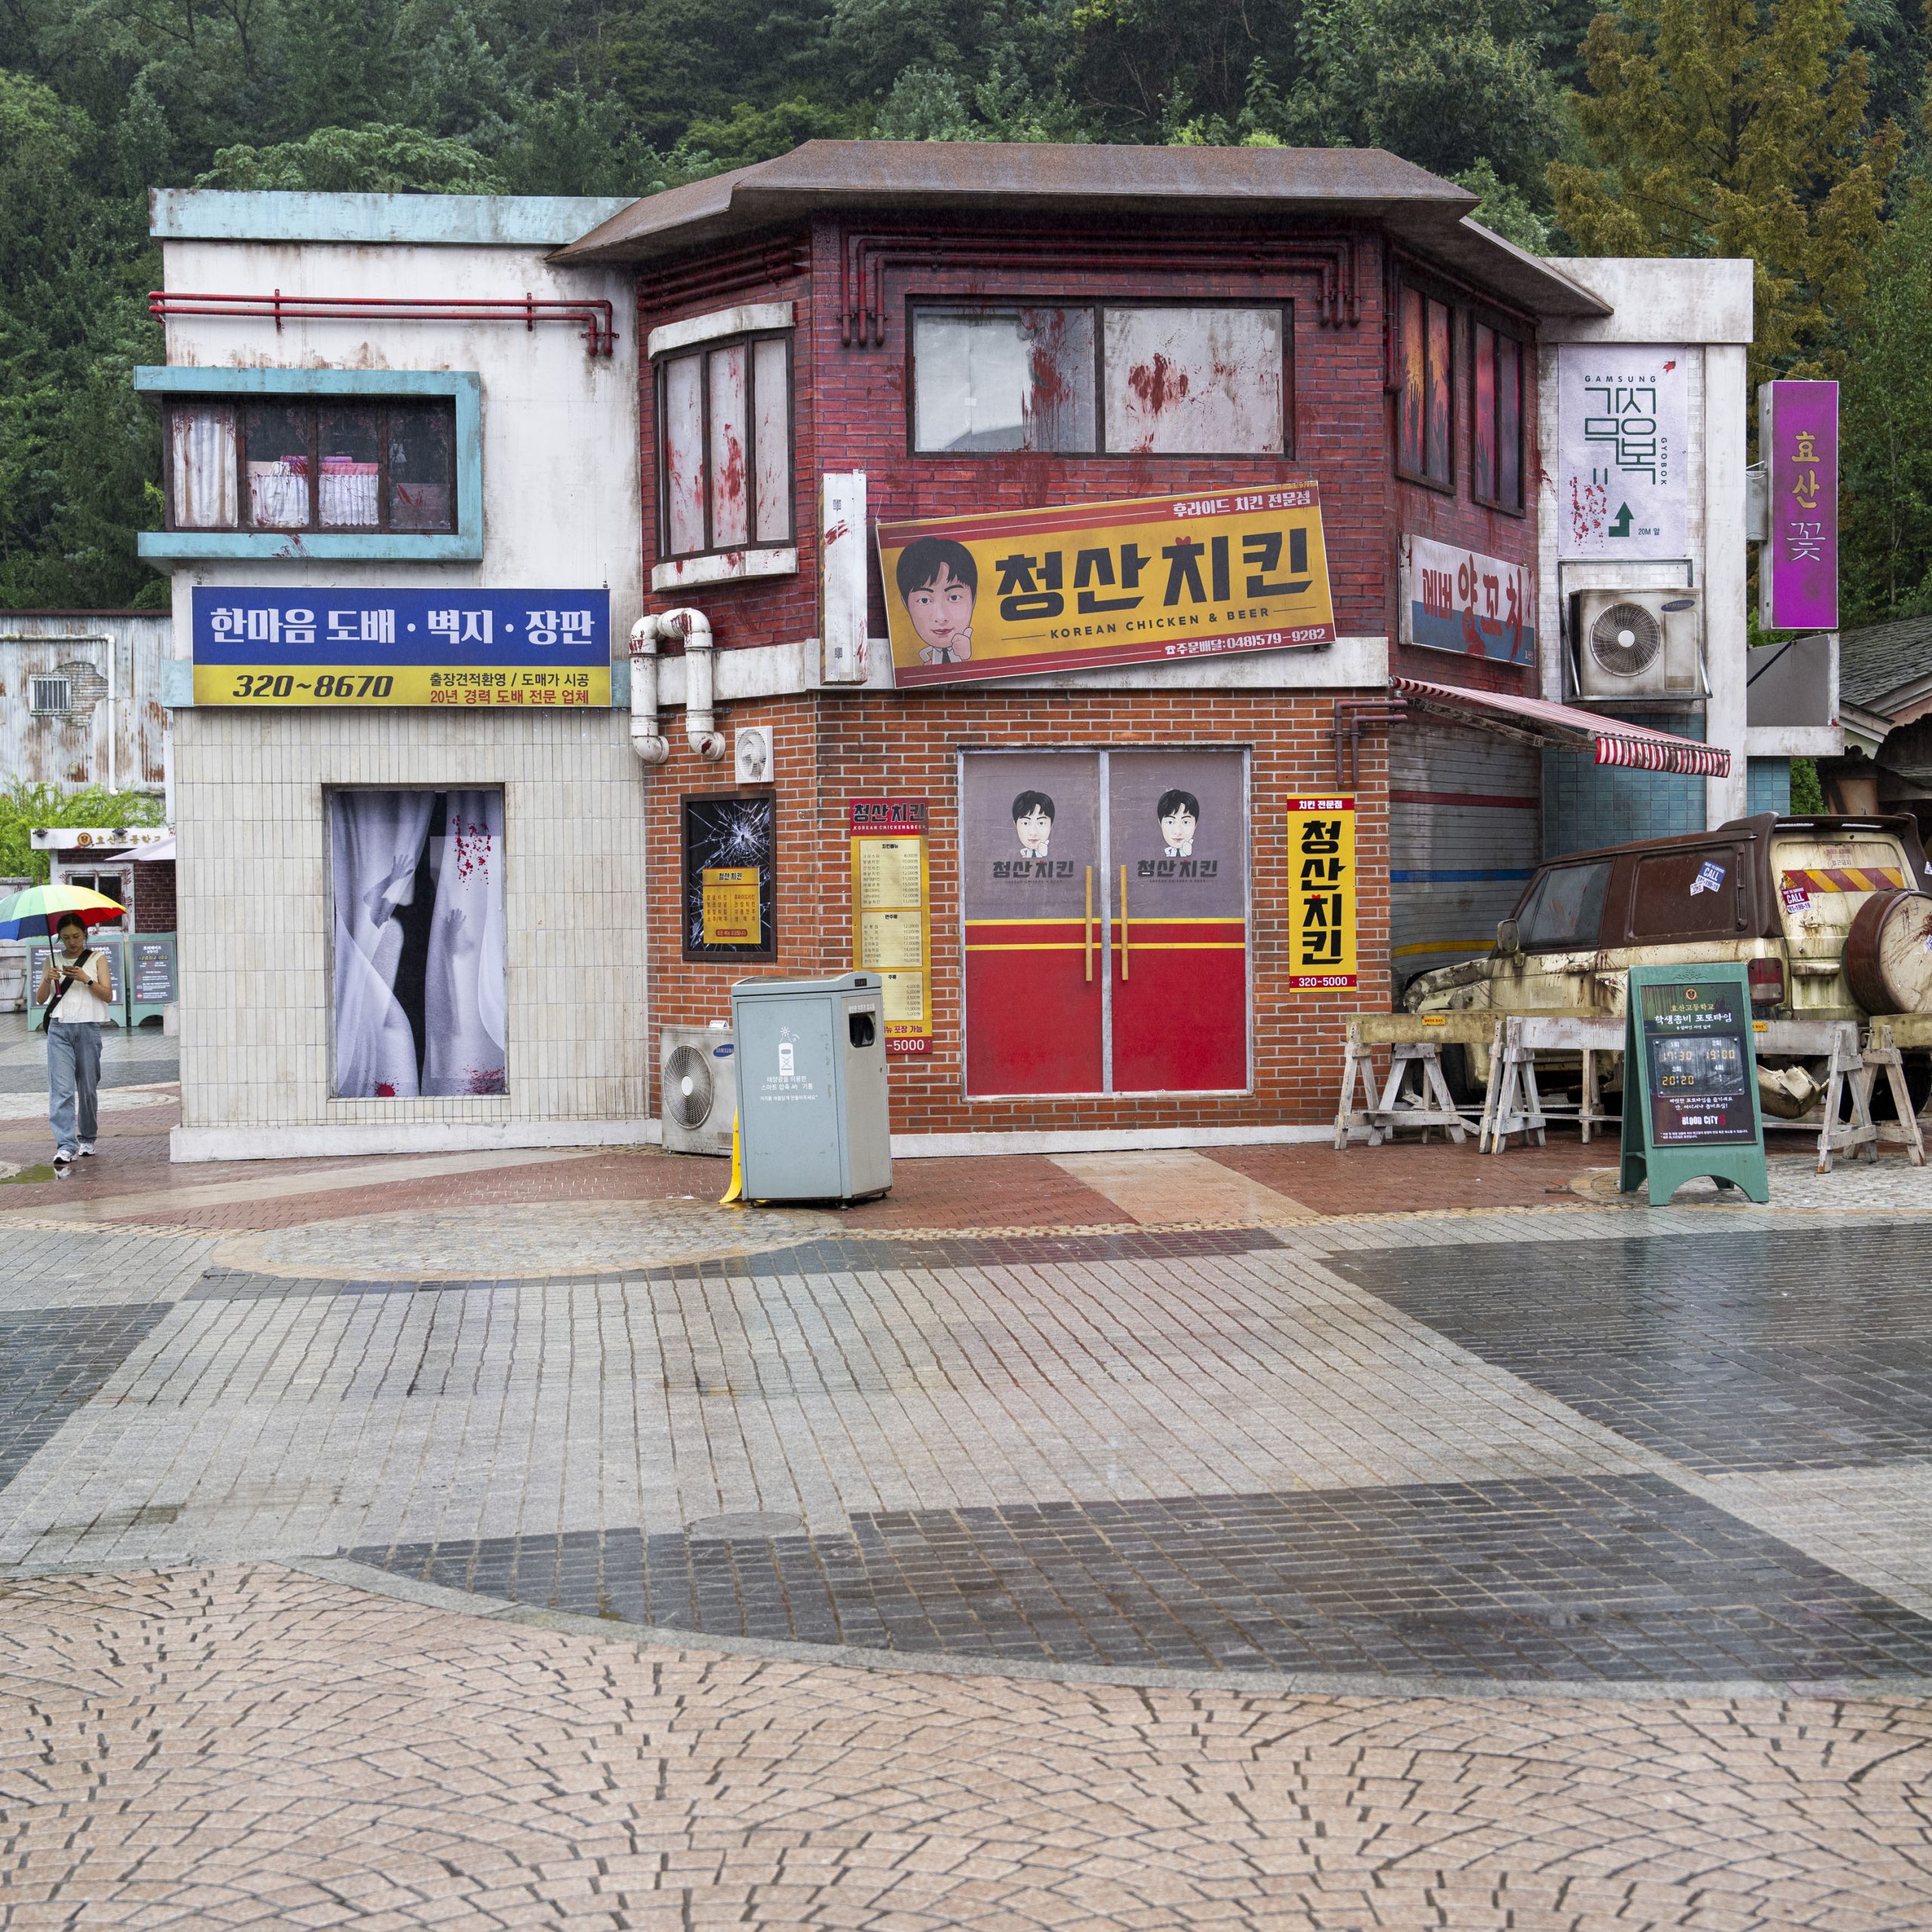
{"points": [[420, 646]]}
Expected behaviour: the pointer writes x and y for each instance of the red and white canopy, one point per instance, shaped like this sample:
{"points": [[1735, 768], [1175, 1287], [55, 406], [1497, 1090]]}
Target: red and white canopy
{"points": [[1609, 740]]}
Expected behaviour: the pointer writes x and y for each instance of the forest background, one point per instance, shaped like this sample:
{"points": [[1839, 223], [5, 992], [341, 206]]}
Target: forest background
{"points": [[1794, 131]]}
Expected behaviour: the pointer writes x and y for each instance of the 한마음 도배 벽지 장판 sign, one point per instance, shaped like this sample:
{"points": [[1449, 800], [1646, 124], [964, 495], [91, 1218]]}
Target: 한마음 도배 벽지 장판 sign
{"points": [[309, 645]]}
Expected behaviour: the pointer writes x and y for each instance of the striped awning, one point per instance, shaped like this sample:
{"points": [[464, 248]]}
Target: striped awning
{"points": [[1609, 740]]}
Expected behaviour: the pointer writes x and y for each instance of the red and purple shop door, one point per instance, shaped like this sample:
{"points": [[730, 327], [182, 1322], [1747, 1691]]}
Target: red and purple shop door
{"points": [[1105, 901]]}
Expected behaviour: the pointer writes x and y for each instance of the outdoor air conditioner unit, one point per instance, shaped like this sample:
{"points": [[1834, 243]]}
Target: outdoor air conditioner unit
{"points": [[700, 1088], [1631, 644]]}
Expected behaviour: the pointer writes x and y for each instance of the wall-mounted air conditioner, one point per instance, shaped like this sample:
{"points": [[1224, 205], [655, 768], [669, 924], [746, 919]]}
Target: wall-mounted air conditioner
{"points": [[700, 1088], [1638, 643]]}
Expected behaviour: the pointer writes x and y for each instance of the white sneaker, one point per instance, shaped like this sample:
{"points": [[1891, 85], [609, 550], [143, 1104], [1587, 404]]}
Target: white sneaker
{"points": [[86, 1147], [63, 1165]]}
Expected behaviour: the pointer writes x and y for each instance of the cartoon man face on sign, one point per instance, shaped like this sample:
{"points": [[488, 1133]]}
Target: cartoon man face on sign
{"points": [[1033, 823], [1179, 814], [938, 581]]}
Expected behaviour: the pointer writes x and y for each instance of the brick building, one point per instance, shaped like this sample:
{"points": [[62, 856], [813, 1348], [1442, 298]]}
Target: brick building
{"points": [[974, 331], [1116, 593]]}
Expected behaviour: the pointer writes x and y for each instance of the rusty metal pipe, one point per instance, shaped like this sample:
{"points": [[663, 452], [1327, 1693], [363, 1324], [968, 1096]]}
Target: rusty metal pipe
{"points": [[596, 314], [694, 627], [647, 740]]}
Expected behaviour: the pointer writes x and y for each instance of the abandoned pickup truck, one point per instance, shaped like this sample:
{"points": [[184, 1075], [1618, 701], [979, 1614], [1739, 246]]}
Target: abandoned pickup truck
{"points": [[1830, 917]]}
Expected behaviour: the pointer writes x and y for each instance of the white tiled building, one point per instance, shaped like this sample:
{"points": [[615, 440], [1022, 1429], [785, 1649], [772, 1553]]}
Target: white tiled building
{"points": [[546, 496]]}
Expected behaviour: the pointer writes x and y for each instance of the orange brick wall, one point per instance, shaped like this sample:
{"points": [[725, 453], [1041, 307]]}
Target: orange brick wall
{"points": [[830, 749]]}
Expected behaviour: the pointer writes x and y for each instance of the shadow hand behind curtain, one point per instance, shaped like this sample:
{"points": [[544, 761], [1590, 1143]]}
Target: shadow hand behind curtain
{"points": [[464, 994], [375, 842]]}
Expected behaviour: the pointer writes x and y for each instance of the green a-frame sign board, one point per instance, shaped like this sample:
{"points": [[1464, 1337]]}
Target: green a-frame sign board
{"points": [[1691, 1082]]}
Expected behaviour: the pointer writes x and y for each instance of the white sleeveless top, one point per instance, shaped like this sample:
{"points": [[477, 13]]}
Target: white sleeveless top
{"points": [[75, 1006]]}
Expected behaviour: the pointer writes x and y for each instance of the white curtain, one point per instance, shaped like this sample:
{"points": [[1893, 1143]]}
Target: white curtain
{"points": [[349, 494], [205, 488], [375, 842], [463, 997]]}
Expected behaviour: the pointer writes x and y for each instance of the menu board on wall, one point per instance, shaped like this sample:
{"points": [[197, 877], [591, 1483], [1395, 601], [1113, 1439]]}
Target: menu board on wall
{"points": [[1690, 1081], [731, 876], [1322, 892], [891, 904], [151, 971]]}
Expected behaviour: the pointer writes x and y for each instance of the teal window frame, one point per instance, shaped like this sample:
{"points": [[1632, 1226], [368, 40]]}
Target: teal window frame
{"points": [[463, 387]]}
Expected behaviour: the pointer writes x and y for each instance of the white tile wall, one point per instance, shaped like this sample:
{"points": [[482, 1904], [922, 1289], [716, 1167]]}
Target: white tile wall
{"points": [[254, 948]]}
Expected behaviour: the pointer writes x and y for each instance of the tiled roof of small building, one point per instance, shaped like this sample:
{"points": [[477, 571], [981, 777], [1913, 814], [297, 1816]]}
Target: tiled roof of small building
{"points": [[929, 177], [1878, 659]]}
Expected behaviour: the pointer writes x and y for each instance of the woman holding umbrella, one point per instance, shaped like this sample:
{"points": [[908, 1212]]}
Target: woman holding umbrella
{"points": [[76, 988]]}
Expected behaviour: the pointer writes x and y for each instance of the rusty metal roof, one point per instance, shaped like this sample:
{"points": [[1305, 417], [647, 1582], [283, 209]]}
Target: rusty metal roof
{"points": [[914, 178]]}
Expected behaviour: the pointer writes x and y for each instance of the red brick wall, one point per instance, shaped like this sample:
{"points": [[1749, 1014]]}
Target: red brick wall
{"points": [[1456, 517], [153, 907], [831, 749], [850, 413]]}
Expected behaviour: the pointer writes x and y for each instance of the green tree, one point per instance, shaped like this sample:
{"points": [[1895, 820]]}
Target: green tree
{"points": [[23, 806], [1734, 128], [383, 160], [1885, 427], [77, 447]]}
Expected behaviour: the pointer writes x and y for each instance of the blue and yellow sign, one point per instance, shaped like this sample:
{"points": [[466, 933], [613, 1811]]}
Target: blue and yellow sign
{"points": [[536, 649]]}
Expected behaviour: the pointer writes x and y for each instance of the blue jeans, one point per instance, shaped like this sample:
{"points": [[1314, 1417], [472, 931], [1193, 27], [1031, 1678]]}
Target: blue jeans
{"points": [[73, 1074]]}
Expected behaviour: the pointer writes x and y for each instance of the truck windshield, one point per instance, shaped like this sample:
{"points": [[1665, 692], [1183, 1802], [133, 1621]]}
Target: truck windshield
{"points": [[1565, 907]]}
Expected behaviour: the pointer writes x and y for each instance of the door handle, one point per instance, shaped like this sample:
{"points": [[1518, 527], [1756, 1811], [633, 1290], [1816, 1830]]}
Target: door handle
{"points": [[1123, 923], [1088, 928]]}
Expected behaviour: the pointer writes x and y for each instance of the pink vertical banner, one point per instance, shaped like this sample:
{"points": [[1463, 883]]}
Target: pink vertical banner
{"points": [[1798, 435]]}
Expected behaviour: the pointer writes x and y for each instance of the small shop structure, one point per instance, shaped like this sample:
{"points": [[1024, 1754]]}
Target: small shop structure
{"points": [[1140, 601]]}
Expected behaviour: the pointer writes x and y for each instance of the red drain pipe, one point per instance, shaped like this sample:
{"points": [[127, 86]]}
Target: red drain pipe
{"points": [[1354, 716], [593, 312]]}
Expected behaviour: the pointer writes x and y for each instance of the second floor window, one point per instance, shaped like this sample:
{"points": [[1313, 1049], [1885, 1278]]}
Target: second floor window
{"points": [[1099, 379], [724, 446], [272, 464], [1424, 422], [1498, 384]]}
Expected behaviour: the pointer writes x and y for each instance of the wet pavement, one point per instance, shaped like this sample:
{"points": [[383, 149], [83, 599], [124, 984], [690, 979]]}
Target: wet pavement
{"points": [[1155, 1540]]}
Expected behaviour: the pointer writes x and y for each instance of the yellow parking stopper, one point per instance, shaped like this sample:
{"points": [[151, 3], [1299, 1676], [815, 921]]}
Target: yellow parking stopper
{"points": [[736, 1192]]}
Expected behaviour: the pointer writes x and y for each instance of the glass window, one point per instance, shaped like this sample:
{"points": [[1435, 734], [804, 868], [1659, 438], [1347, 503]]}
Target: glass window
{"points": [[725, 446], [1187, 381], [417, 883], [312, 466], [1424, 421], [1170, 381], [1688, 895], [277, 440], [350, 449], [1002, 378], [1565, 907], [1498, 406], [421, 466]]}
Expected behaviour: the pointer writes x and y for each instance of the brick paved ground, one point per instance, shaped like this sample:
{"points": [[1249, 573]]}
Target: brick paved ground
{"points": [[1458, 1549]]}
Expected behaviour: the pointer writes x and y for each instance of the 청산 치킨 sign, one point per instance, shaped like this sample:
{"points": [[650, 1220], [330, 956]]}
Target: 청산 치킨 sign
{"points": [[1622, 477], [1798, 570], [307, 645], [1157, 578]]}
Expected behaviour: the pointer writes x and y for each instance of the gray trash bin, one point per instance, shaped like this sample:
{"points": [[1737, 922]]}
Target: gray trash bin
{"points": [[812, 1118]]}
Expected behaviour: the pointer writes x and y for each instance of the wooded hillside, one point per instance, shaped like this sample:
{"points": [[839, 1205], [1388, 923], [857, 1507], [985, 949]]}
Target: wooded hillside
{"points": [[1794, 131]]}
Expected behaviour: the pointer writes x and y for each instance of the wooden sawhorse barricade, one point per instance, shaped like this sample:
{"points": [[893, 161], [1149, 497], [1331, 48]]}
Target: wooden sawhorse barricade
{"points": [[1513, 1103], [1415, 1094]]}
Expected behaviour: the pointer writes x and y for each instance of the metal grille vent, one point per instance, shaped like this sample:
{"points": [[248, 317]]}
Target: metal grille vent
{"points": [[1626, 640], [48, 694], [689, 1090]]}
